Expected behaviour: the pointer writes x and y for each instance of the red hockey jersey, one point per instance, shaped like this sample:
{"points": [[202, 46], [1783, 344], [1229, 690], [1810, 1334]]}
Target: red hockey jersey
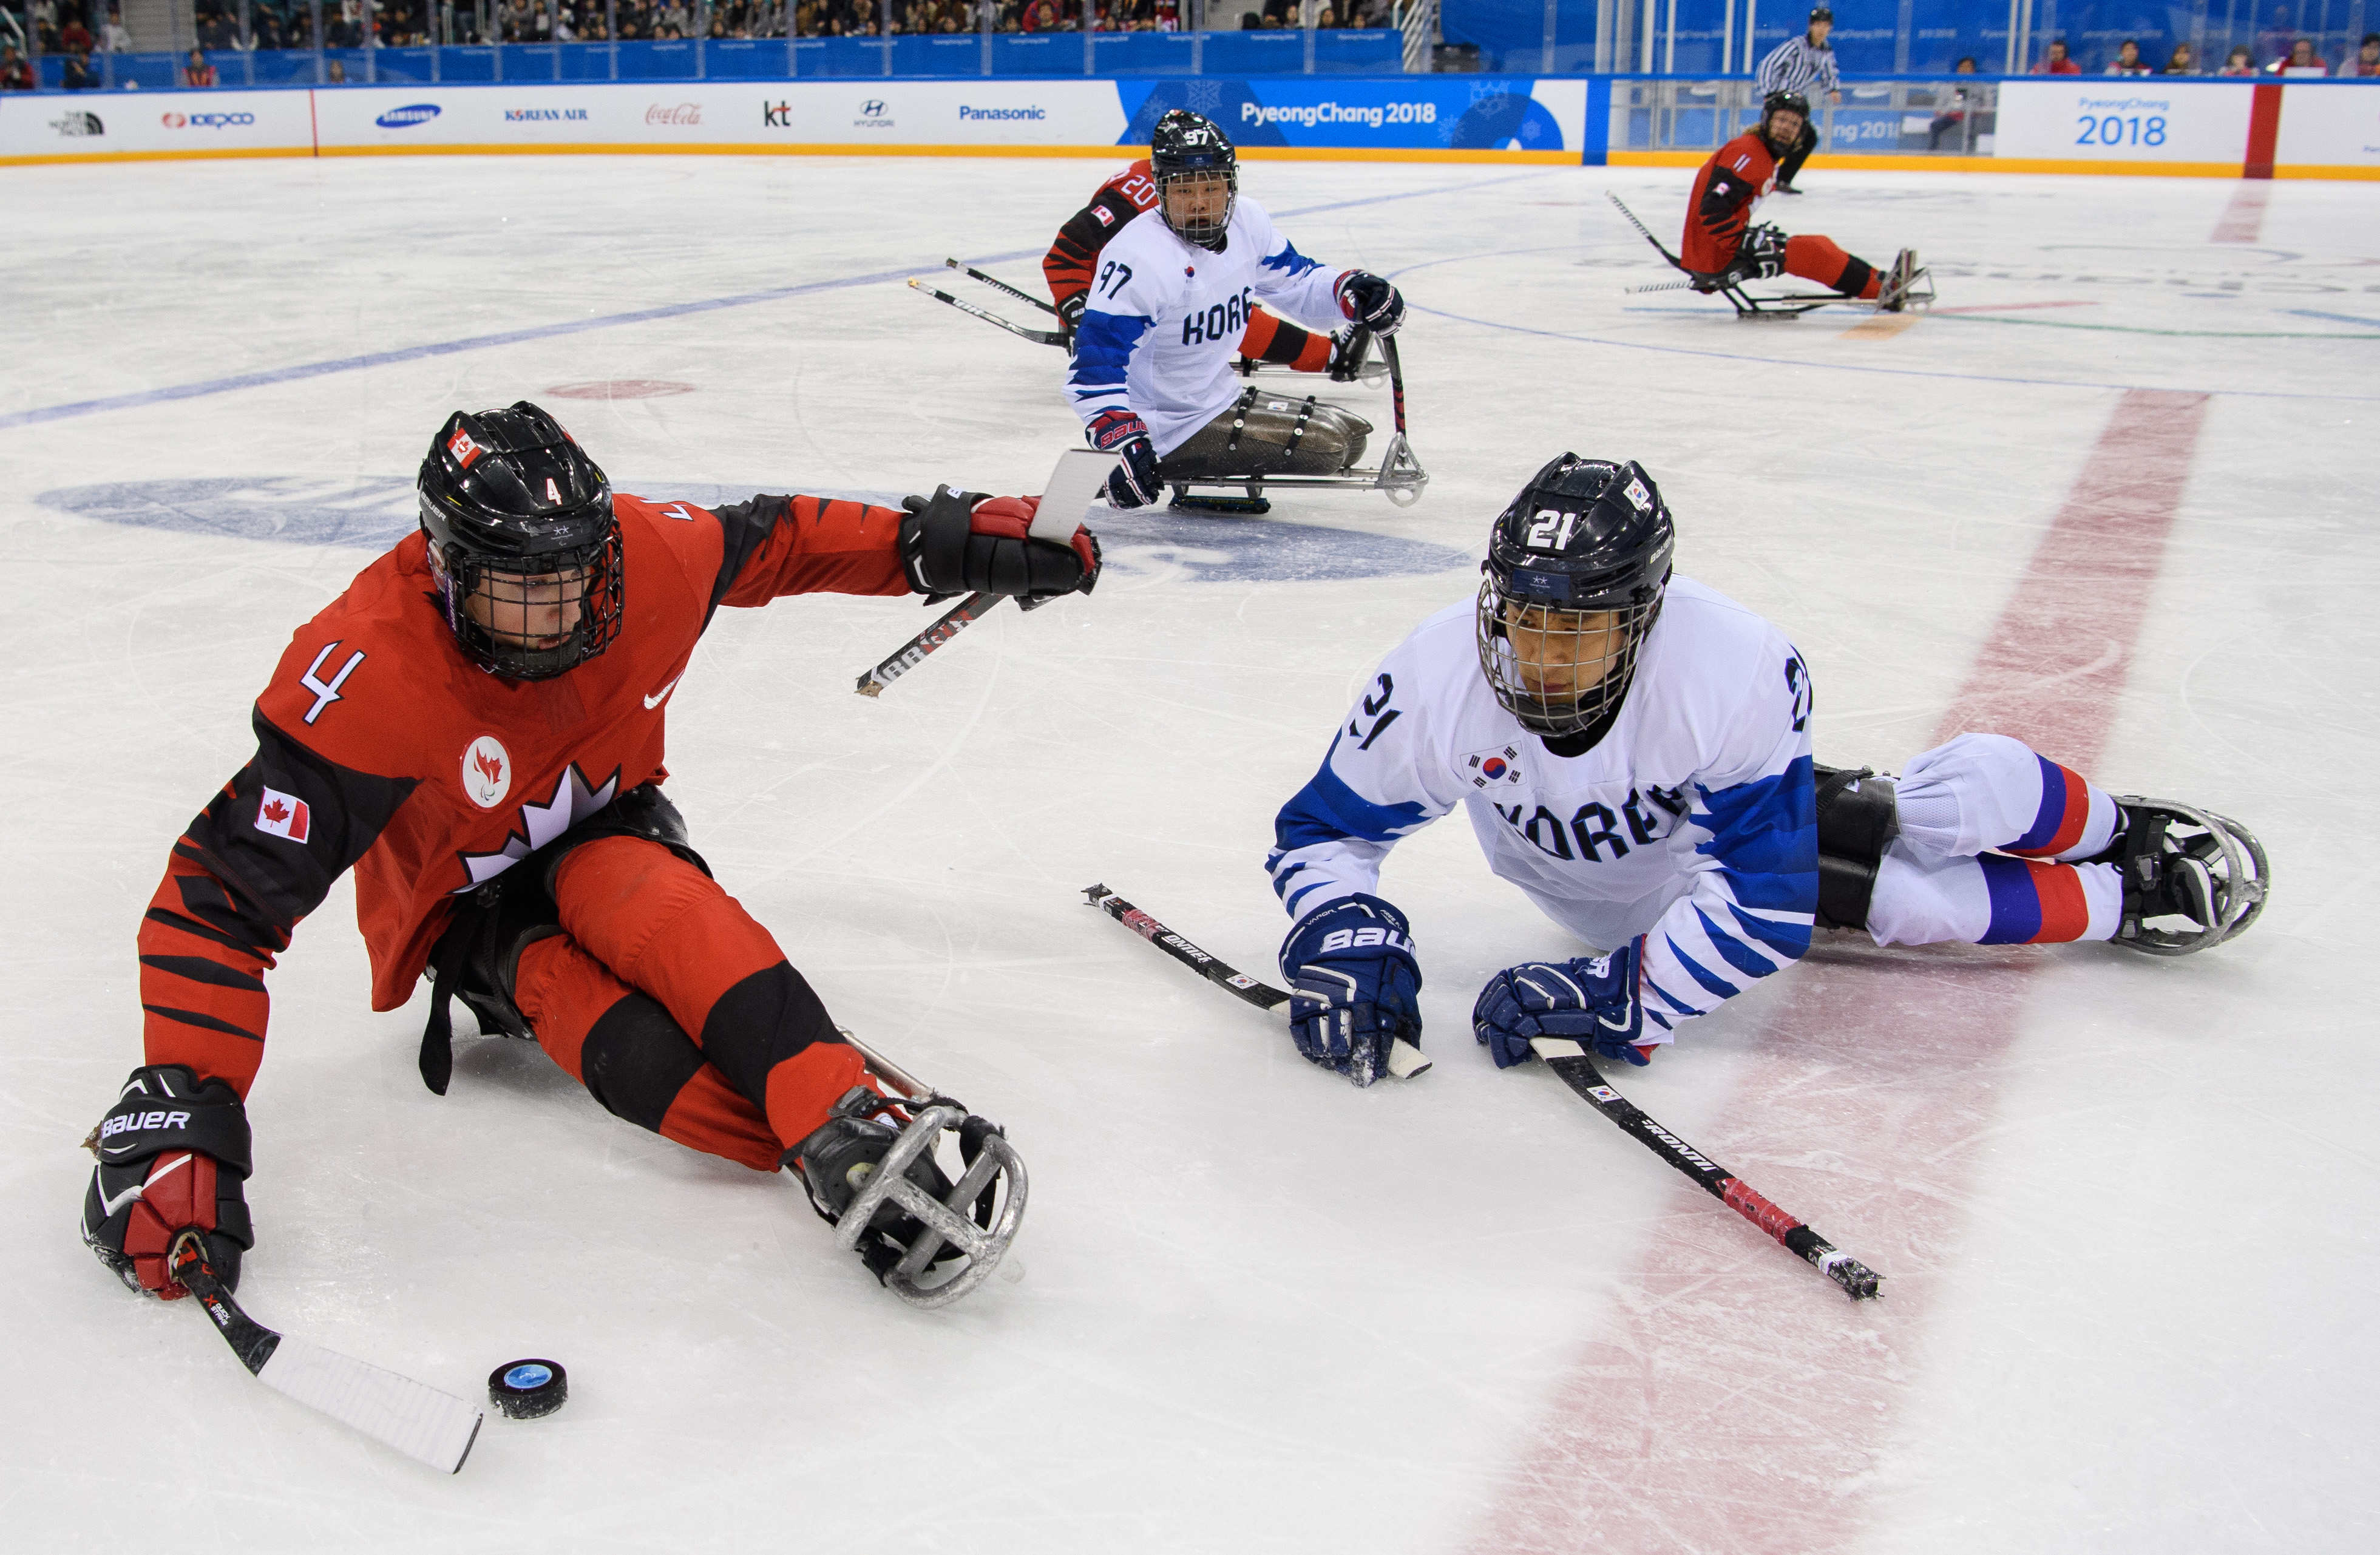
{"points": [[1727, 189], [382, 748], [1072, 259]]}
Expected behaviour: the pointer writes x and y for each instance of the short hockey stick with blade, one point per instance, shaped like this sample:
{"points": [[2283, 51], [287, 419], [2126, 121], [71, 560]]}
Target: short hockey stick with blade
{"points": [[1571, 1062], [1038, 337], [1405, 1060], [996, 284], [417, 1419], [911, 654]]}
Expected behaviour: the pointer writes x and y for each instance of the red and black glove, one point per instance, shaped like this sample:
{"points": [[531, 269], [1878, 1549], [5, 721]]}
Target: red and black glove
{"points": [[1134, 482], [965, 543], [173, 1157]]}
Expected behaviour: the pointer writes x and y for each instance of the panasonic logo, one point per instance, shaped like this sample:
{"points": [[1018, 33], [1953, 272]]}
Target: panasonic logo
{"points": [[407, 116]]}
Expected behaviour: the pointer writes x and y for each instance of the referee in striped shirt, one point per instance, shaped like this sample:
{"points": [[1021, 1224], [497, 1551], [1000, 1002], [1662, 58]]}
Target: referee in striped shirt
{"points": [[1792, 66]]}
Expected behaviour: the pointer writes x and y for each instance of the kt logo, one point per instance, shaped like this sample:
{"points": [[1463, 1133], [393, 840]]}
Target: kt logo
{"points": [[776, 115]]}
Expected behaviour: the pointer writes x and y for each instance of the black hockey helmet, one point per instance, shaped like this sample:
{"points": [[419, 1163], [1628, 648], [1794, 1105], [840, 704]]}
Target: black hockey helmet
{"points": [[519, 519], [1791, 101], [1186, 146], [1821, 13], [1577, 564]]}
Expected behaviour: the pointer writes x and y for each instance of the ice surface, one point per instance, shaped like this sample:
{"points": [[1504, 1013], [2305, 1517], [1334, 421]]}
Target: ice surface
{"points": [[2125, 1207]]}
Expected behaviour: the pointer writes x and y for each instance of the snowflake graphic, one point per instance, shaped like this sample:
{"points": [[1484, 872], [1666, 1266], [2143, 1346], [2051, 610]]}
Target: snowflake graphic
{"points": [[1203, 97]]}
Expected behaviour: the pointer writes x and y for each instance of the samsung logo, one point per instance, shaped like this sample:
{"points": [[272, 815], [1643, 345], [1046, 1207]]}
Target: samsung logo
{"points": [[407, 116]]}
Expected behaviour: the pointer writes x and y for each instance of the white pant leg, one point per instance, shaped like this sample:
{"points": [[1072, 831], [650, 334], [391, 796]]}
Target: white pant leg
{"points": [[1921, 901], [1984, 792]]}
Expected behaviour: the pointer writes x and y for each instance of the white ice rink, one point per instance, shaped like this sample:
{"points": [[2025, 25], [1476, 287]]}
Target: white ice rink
{"points": [[2126, 1207]]}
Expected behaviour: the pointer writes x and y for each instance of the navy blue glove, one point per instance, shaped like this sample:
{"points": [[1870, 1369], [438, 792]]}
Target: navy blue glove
{"points": [[1355, 986], [1370, 302], [1134, 482], [1591, 1001]]}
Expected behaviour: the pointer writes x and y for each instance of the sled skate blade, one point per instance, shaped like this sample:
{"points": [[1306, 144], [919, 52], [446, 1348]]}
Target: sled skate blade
{"points": [[1398, 476], [2235, 865], [950, 1225]]}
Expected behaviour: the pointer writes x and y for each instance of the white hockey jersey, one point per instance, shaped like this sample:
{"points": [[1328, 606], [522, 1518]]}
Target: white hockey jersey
{"points": [[1691, 825], [1165, 317]]}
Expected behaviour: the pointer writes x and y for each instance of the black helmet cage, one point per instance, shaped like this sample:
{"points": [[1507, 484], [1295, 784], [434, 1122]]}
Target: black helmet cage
{"points": [[1776, 100], [1186, 146], [1585, 536], [510, 494]]}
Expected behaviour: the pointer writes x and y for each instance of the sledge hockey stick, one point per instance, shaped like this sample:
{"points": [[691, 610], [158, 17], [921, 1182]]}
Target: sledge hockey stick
{"points": [[1405, 1060], [911, 654], [1038, 337], [994, 282], [1396, 378], [417, 1419], [1577, 1070]]}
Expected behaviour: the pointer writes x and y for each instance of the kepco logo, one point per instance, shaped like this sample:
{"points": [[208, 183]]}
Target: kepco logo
{"points": [[407, 116], [208, 121]]}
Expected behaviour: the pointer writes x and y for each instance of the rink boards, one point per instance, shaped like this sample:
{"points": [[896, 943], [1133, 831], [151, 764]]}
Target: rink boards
{"points": [[2316, 130]]}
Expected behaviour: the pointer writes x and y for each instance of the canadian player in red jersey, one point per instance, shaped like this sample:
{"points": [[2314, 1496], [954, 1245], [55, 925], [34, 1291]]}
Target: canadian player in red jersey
{"points": [[1073, 257], [1722, 248], [476, 729]]}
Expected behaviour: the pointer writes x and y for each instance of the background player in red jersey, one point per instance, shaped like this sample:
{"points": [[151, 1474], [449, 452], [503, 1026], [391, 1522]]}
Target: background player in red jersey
{"points": [[475, 728], [1723, 250], [1073, 257]]}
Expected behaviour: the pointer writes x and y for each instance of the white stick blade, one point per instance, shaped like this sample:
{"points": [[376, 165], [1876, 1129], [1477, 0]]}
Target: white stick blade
{"points": [[1082, 474], [413, 1417], [1405, 1060]]}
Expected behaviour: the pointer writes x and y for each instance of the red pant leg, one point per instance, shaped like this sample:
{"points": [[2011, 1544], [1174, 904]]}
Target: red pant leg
{"points": [[631, 1057], [666, 929], [1820, 260]]}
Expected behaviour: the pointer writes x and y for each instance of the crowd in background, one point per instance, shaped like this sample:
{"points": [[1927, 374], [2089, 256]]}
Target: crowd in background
{"points": [[65, 27], [2277, 51]]}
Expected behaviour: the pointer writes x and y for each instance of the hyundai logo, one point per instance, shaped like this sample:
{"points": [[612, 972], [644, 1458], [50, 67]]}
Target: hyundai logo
{"points": [[407, 116], [872, 109]]}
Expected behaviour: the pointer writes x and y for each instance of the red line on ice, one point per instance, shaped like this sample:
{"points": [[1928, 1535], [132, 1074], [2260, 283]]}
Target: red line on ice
{"points": [[2243, 219], [1734, 1401]]}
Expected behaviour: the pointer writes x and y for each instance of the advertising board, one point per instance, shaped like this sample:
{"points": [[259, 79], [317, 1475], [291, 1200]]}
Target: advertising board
{"points": [[66, 125], [2329, 126], [2143, 119]]}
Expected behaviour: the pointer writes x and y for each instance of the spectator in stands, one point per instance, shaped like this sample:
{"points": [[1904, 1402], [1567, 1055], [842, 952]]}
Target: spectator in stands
{"points": [[15, 74], [336, 72], [2182, 62], [2301, 60], [81, 75], [347, 32], [1954, 112], [2129, 62], [2367, 59], [2239, 62], [2056, 63], [2273, 43], [1042, 17], [74, 37], [112, 38], [197, 72]]}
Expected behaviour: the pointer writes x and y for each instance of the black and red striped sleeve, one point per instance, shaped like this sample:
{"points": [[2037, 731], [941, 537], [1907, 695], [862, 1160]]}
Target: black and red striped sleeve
{"points": [[774, 546], [260, 856], [1076, 254]]}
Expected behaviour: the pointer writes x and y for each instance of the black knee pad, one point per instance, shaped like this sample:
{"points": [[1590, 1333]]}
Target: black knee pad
{"points": [[1858, 816]]}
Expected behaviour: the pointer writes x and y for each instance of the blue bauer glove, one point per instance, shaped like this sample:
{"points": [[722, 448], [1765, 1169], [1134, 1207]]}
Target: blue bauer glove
{"points": [[1592, 1002], [1355, 986]]}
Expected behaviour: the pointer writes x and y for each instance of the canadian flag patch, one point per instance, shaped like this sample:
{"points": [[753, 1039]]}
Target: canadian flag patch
{"points": [[462, 448], [1105, 217], [282, 815]]}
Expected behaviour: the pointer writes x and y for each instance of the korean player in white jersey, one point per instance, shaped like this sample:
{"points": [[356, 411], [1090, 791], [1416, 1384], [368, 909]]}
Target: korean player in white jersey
{"points": [[1634, 750], [1152, 375]]}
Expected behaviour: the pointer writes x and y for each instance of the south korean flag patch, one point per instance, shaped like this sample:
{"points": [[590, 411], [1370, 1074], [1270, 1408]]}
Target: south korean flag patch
{"points": [[1492, 769]]}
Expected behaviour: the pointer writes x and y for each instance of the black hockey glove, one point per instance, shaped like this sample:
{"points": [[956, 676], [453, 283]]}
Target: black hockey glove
{"points": [[1355, 986], [1370, 302], [1070, 312], [173, 1154], [964, 543], [1762, 254], [1134, 482]]}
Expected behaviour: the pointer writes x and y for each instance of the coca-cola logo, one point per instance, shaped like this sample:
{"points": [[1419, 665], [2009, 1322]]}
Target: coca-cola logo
{"points": [[683, 112]]}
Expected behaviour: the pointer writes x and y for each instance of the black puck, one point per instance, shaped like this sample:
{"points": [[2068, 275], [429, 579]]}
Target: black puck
{"points": [[526, 1390]]}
